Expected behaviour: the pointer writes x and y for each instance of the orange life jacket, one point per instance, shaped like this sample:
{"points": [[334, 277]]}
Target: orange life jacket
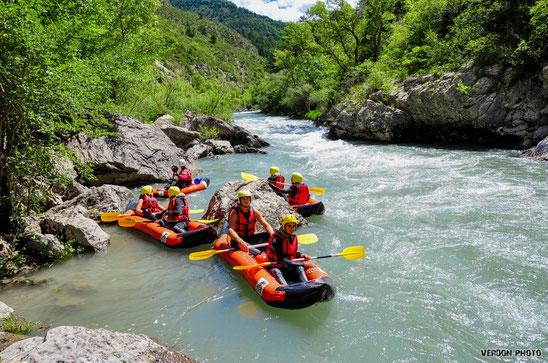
{"points": [[150, 204], [172, 208], [244, 227], [290, 246], [302, 196]]}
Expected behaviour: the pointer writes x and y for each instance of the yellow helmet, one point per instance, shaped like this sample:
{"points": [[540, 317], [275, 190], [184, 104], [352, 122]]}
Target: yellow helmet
{"points": [[296, 178], [147, 189], [244, 193], [173, 191], [274, 170], [288, 218]]}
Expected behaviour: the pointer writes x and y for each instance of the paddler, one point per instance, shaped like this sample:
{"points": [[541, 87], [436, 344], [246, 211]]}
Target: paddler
{"points": [[147, 205], [297, 193], [176, 215], [184, 179], [242, 218], [283, 248]]}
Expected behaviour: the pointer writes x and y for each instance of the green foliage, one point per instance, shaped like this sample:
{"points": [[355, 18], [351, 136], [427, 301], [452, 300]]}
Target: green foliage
{"points": [[60, 61], [462, 88], [209, 133], [312, 115], [17, 324]]}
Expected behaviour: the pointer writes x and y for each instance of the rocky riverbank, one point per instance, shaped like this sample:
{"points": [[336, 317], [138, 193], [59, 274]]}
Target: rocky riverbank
{"points": [[492, 106], [80, 344], [135, 154]]}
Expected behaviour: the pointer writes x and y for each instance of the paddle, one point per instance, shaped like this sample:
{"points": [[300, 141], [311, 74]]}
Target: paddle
{"points": [[247, 176], [305, 239], [114, 216], [350, 253], [126, 222]]}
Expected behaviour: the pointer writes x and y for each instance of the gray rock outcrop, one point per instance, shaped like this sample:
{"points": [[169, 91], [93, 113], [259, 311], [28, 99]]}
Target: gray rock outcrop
{"points": [[79, 344], [493, 106], [5, 311], [539, 152], [137, 153], [72, 224], [237, 135], [272, 206]]}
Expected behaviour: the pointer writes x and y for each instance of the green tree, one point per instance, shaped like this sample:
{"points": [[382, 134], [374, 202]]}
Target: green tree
{"points": [[62, 63]]}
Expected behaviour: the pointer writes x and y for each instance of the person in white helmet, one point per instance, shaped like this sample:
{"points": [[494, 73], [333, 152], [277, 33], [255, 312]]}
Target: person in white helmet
{"points": [[184, 179]]}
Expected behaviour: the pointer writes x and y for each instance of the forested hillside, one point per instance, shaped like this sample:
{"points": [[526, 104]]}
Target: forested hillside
{"points": [[67, 64], [211, 69], [339, 51], [262, 31]]}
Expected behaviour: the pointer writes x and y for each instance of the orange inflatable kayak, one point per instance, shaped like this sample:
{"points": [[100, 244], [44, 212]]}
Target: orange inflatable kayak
{"points": [[310, 208], [202, 184], [295, 295], [197, 234]]}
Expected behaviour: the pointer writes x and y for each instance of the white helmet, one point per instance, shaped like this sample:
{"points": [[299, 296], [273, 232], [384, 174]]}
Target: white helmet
{"points": [[182, 162]]}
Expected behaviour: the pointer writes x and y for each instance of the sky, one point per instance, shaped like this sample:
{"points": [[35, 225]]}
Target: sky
{"points": [[285, 10]]}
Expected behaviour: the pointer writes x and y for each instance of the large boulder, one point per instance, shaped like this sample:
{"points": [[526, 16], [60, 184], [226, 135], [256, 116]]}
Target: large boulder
{"points": [[180, 136], [79, 344], [136, 153], [72, 223], [490, 106], [237, 135], [539, 152], [272, 206], [98, 200]]}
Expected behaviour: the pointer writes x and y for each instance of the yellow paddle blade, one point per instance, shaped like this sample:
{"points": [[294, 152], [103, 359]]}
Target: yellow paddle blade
{"points": [[316, 190], [127, 222], [196, 211], [307, 239], [251, 266], [202, 255], [110, 216], [247, 176], [353, 253], [205, 220]]}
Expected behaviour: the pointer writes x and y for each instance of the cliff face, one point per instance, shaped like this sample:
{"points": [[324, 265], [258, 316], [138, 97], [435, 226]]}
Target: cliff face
{"points": [[493, 107]]}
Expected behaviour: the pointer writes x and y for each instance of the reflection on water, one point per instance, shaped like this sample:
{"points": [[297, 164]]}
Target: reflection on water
{"points": [[456, 260]]}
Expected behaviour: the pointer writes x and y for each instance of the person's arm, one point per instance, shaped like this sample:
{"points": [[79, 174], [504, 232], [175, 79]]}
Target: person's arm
{"points": [[237, 241], [263, 222], [138, 209]]}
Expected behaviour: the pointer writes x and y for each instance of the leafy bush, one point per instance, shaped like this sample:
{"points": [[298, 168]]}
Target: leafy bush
{"points": [[17, 324]]}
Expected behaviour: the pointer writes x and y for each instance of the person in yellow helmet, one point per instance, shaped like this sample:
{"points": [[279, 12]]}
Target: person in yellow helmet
{"points": [[297, 193], [147, 205], [283, 248], [176, 216], [242, 218], [275, 177]]}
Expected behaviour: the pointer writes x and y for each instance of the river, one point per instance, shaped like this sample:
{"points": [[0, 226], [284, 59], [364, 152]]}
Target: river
{"points": [[456, 260]]}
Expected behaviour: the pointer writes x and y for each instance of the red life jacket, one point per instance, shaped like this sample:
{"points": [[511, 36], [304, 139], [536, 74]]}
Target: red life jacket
{"points": [[150, 204], [302, 196], [171, 208], [244, 227], [278, 181], [290, 246], [184, 178]]}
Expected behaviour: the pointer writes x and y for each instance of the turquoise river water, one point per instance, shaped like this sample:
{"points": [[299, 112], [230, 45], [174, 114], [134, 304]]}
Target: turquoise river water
{"points": [[456, 261]]}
